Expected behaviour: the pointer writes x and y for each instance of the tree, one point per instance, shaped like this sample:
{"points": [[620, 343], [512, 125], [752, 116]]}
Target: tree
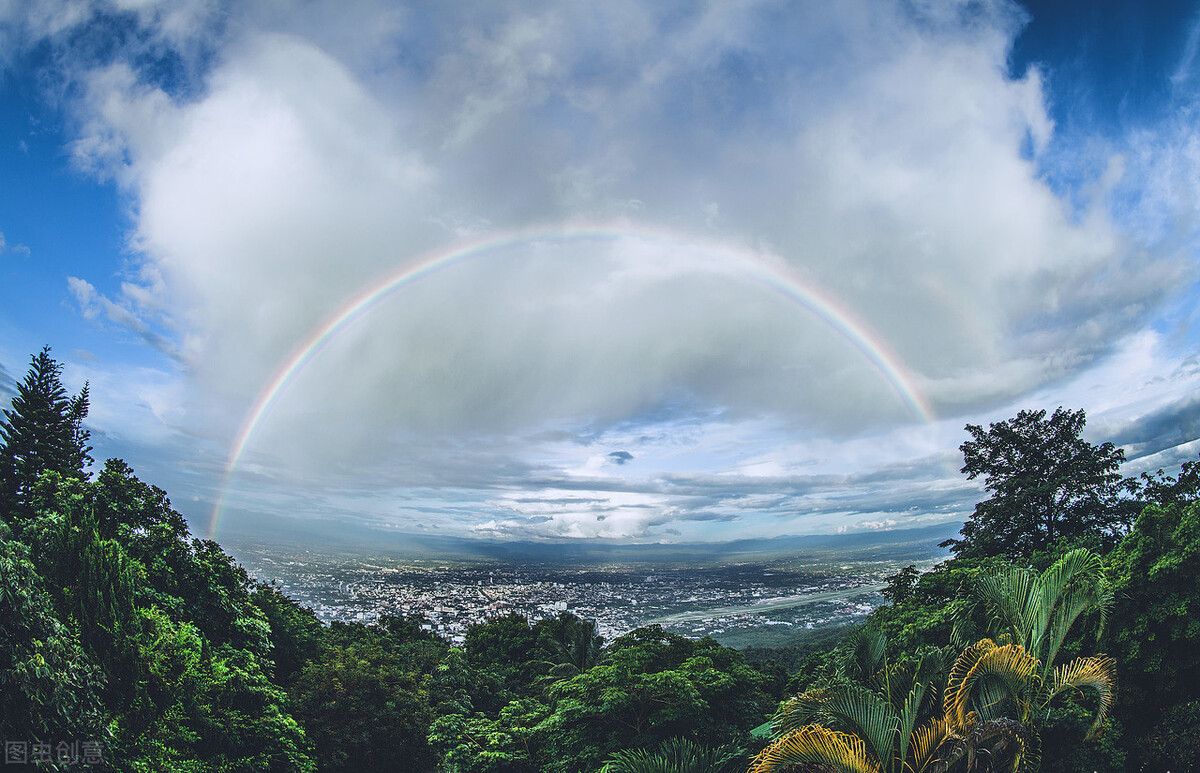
{"points": [[653, 686], [1047, 483], [506, 646], [42, 431], [881, 717], [296, 634], [180, 646], [571, 645], [1031, 616], [900, 586], [1162, 490], [363, 711], [1154, 631], [513, 742], [48, 687]]}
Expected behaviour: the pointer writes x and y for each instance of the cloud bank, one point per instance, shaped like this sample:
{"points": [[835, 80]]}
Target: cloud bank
{"points": [[291, 157]]}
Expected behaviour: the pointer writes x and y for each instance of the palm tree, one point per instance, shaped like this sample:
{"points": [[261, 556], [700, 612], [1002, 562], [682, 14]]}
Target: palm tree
{"points": [[571, 646], [1030, 616], [677, 755], [992, 683], [996, 696], [579, 650], [884, 718], [1038, 611]]}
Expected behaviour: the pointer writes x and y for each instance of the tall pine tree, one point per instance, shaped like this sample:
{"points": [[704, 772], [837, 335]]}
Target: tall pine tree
{"points": [[42, 431]]}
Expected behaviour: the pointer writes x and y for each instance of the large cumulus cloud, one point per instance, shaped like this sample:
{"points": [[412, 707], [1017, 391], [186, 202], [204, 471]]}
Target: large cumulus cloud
{"points": [[881, 152]]}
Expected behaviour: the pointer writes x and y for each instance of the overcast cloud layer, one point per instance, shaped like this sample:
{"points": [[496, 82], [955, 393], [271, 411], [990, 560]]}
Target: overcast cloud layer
{"points": [[276, 160]]}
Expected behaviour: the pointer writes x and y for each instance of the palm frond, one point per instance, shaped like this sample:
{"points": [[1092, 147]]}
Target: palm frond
{"points": [[1006, 596], [1074, 585], [1010, 668], [1038, 611], [927, 739], [815, 748], [958, 672], [1098, 674], [1003, 739], [801, 710], [1070, 607], [932, 669], [895, 682], [908, 718], [870, 717], [868, 657], [676, 755]]}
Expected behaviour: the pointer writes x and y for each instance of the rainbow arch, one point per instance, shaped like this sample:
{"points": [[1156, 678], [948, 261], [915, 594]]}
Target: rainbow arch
{"points": [[758, 265]]}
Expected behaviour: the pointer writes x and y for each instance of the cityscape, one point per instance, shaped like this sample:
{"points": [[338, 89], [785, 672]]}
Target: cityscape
{"points": [[744, 604]]}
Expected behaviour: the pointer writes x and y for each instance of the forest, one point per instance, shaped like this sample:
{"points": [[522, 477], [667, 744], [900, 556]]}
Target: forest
{"points": [[1060, 636]]}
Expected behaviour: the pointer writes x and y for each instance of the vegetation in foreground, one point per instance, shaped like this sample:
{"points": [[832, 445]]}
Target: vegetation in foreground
{"points": [[1061, 636]]}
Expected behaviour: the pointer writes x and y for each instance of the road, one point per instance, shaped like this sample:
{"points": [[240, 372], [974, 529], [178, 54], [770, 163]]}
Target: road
{"points": [[768, 606]]}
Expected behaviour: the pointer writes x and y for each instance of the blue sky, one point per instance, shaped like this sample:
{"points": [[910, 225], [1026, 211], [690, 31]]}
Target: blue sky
{"points": [[746, 269]]}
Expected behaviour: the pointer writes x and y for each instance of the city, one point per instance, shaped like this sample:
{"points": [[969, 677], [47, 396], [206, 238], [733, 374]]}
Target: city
{"points": [[739, 605]]}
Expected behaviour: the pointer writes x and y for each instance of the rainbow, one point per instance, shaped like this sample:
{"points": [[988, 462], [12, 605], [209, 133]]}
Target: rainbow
{"points": [[754, 264]]}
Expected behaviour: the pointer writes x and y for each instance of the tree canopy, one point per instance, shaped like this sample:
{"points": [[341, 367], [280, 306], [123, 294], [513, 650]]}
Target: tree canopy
{"points": [[1047, 484], [43, 430]]}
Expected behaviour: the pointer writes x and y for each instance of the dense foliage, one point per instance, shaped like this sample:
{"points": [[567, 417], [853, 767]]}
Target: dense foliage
{"points": [[42, 431], [1047, 484], [1062, 634]]}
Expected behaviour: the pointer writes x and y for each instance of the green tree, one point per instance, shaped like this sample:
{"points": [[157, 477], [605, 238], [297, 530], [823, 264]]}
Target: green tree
{"points": [[42, 431], [363, 711], [507, 646], [924, 614], [653, 686], [1154, 630], [1162, 490], [170, 623], [93, 580], [239, 721], [296, 635], [900, 586], [512, 742], [1047, 484], [571, 645], [880, 716], [49, 689]]}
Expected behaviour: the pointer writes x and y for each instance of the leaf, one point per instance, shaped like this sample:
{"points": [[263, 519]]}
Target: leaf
{"points": [[817, 747], [1009, 667], [1098, 674]]}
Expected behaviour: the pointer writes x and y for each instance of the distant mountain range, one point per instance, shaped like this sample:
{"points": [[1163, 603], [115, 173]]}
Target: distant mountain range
{"points": [[338, 537]]}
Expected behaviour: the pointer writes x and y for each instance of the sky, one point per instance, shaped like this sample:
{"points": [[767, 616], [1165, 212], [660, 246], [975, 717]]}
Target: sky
{"points": [[648, 272]]}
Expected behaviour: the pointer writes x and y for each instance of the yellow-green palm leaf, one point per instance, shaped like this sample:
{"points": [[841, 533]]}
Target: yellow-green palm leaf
{"points": [[815, 748], [1097, 674], [958, 672], [926, 741], [994, 675]]}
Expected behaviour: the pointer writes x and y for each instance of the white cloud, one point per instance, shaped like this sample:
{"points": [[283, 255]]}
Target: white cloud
{"points": [[92, 304], [879, 151], [15, 249]]}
